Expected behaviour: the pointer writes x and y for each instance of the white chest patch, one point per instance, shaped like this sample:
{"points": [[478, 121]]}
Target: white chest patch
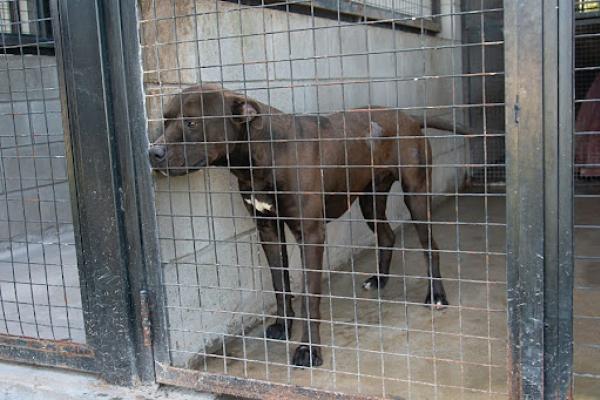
{"points": [[259, 205]]}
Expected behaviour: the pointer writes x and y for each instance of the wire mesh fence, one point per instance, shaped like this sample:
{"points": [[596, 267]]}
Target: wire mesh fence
{"points": [[329, 196], [39, 282], [586, 319], [279, 115]]}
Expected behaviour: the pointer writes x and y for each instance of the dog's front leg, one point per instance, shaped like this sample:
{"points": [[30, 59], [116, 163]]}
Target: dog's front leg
{"points": [[272, 237], [311, 241]]}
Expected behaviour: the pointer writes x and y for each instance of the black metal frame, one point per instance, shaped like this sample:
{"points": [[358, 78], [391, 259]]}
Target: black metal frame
{"points": [[539, 127], [111, 180]]}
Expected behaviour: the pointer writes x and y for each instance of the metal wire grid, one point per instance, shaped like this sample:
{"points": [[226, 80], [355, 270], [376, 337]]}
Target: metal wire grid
{"points": [[586, 58], [219, 298], [587, 221], [39, 283], [490, 90]]}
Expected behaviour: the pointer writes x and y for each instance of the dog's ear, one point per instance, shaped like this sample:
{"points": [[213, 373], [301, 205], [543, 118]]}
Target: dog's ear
{"points": [[244, 110]]}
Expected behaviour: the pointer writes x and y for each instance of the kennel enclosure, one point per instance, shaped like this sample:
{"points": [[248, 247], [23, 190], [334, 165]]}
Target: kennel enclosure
{"points": [[110, 268]]}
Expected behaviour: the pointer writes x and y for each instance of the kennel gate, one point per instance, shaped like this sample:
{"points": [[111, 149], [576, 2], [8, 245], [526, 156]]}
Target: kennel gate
{"points": [[278, 52], [39, 286]]}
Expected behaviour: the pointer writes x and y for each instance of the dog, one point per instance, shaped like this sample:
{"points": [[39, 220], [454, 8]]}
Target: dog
{"points": [[303, 171]]}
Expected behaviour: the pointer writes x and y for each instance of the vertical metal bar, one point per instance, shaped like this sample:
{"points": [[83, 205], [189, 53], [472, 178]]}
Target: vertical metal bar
{"points": [[103, 102], [565, 197], [143, 265], [525, 194], [162, 350], [558, 127], [70, 142], [539, 255]]}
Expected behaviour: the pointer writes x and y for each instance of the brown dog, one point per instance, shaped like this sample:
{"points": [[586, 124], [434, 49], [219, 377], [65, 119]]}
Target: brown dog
{"points": [[304, 171]]}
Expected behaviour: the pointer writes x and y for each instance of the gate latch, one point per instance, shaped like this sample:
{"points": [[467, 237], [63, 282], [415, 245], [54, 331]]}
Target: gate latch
{"points": [[145, 316]]}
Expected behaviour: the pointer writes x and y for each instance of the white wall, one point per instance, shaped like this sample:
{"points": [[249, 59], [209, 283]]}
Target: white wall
{"points": [[211, 260]]}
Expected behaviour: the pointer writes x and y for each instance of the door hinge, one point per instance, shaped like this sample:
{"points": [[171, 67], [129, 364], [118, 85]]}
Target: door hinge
{"points": [[146, 321]]}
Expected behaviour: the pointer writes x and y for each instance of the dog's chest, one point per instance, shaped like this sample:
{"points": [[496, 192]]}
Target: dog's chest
{"points": [[257, 194], [262, 203]]}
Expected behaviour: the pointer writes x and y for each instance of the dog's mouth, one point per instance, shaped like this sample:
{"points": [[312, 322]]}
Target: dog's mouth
{"points": [[180, 170]]}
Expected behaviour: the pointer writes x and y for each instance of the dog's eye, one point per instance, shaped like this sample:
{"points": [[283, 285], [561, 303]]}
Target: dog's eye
{"points": [[190, 123]]}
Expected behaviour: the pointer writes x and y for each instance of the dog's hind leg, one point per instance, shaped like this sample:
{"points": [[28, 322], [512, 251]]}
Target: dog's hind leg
{"points": [[272, 237], [415, 184], [374, 212]]}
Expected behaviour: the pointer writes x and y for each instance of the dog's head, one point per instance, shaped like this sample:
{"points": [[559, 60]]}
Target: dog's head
{"points": [[201, 126]]}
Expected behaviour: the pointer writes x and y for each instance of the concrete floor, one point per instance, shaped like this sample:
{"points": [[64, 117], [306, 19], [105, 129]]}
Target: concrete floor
{"points": [[397, 348], [586, 296], [394, 346]]}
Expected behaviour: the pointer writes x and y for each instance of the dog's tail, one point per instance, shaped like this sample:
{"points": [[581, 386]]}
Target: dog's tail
{"points": [[442, 124]]}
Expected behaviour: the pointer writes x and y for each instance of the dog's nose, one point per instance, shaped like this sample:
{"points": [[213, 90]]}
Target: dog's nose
{"points": [[157, 153]]}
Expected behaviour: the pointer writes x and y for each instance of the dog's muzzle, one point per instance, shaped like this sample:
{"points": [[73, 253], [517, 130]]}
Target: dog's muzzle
{"points": [[157, 154]]}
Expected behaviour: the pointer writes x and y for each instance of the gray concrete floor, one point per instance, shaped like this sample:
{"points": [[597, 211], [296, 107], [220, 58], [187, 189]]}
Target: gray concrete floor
{"points": [[380, 345], [390, 344], [586, 296], [397, 348]]}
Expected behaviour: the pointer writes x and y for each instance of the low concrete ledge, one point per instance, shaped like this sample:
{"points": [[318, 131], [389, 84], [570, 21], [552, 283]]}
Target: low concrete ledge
{"points": [[20, 382]]}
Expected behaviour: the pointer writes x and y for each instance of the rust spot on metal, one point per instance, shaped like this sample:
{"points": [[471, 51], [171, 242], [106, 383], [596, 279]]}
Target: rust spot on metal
{"points": [[248, 388], [63, 347]]}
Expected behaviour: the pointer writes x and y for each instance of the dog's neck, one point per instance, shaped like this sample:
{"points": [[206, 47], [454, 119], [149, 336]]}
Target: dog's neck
{"points": [[252, 150], [250, 162]]}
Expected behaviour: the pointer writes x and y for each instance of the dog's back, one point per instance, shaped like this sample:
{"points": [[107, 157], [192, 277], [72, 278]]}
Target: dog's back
{"points": [[351, 142]]}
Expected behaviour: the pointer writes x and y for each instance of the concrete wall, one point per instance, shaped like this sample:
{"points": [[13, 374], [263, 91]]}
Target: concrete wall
{"points": [[34, 193], [213, 268]]}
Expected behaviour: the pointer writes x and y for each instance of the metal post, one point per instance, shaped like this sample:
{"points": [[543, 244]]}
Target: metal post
{"points": [[539, 196], [105, 124], [559, 126]]}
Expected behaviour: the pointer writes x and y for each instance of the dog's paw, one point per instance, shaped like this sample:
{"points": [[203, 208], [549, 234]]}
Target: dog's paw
{"points": [[306, 356], [277, 331], [374, 282], [437, 301]]}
